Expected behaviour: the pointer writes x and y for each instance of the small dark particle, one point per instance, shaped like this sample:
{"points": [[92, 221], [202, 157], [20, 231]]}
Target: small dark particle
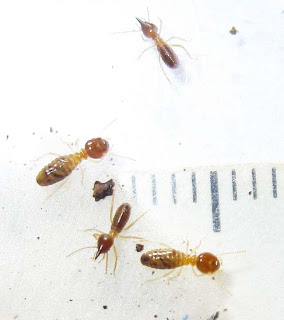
{"points": [[153, 272], [139, 247], [155, 316], [38, 238], [250, 193], [225, 310], [105, 307], [33, 133], [213, 278], [214, 316], [56, 131], [103, 189], [51, 129], [70, 300], [233, 31], [7, 137]]}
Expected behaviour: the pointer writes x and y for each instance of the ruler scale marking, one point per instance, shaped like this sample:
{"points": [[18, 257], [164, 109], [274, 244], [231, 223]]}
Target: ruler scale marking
{"points": [[154, 189], [215, 201], [134, 190], [254, 186], [234, 185], [174, 188], [274, 183], [194, 190]]}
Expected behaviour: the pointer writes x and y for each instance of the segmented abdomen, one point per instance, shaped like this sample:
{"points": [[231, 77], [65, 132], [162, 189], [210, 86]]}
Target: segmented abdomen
{"points": [[167, 53], [163, 259], [57, 170]]}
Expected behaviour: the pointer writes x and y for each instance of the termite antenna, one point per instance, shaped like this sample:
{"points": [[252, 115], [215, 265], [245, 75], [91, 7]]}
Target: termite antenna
{"points": [[119, 156], [233, 252], [70, 254]]}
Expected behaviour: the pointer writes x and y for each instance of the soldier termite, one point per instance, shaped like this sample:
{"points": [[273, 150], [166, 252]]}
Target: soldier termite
{"points": [[61, 167], [167, 54], [105, 241]]}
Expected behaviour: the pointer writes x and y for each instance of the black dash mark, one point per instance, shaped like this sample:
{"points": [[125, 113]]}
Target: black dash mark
{"points": [[254, 187], [274, 183], [134, 191], [194, 190], [174, 188], [234, 185], [154, 190], [215, 201]]}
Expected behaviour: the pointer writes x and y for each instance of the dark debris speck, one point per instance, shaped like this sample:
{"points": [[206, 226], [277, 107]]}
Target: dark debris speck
{"points": [[139, 247]]}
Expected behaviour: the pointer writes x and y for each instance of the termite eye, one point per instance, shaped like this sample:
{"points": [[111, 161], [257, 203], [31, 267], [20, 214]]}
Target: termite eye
{"points": [[207, 263], [96, 148]]}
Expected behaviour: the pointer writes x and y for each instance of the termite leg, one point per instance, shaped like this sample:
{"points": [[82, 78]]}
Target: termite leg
{"points": [[145, 51], [176, 276], [161, 25], [199, 244], [111, 206], [197, 275], [116, 258], [163, 276], [96, 235], [177, 38], [131, 237], [179, 45], [133, 223], [163, 69], [59, 187]]}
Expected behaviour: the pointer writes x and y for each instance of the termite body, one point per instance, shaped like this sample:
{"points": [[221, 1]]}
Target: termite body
{"points": [[62, 166]]}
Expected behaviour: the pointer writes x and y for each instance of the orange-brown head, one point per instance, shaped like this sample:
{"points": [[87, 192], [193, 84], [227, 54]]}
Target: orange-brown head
{"points": [[207, 263], [105, 242], [96, 148], [149, 29]]}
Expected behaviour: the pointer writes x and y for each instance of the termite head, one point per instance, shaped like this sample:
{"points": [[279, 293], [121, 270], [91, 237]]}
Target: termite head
{"points": [[105, 242], [149, 29], [96, 148], [207, 263]]}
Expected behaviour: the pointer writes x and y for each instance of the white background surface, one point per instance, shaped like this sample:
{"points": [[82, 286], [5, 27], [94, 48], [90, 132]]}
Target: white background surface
{"points": [[62, 66]]}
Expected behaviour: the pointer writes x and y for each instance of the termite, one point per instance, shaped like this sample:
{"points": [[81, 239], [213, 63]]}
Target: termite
{"points": [[61, 167], [105, 241], [167, 54], [206, 262]]}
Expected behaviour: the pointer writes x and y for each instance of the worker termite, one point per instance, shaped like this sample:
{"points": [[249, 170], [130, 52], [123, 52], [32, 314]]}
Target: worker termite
{"points": [[206, 263], [61, 167], [105, 241]]}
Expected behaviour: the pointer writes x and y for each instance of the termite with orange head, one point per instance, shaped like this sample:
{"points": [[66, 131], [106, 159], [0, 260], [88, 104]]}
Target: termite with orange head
{"points": [[206, 263], [63, 166]]}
